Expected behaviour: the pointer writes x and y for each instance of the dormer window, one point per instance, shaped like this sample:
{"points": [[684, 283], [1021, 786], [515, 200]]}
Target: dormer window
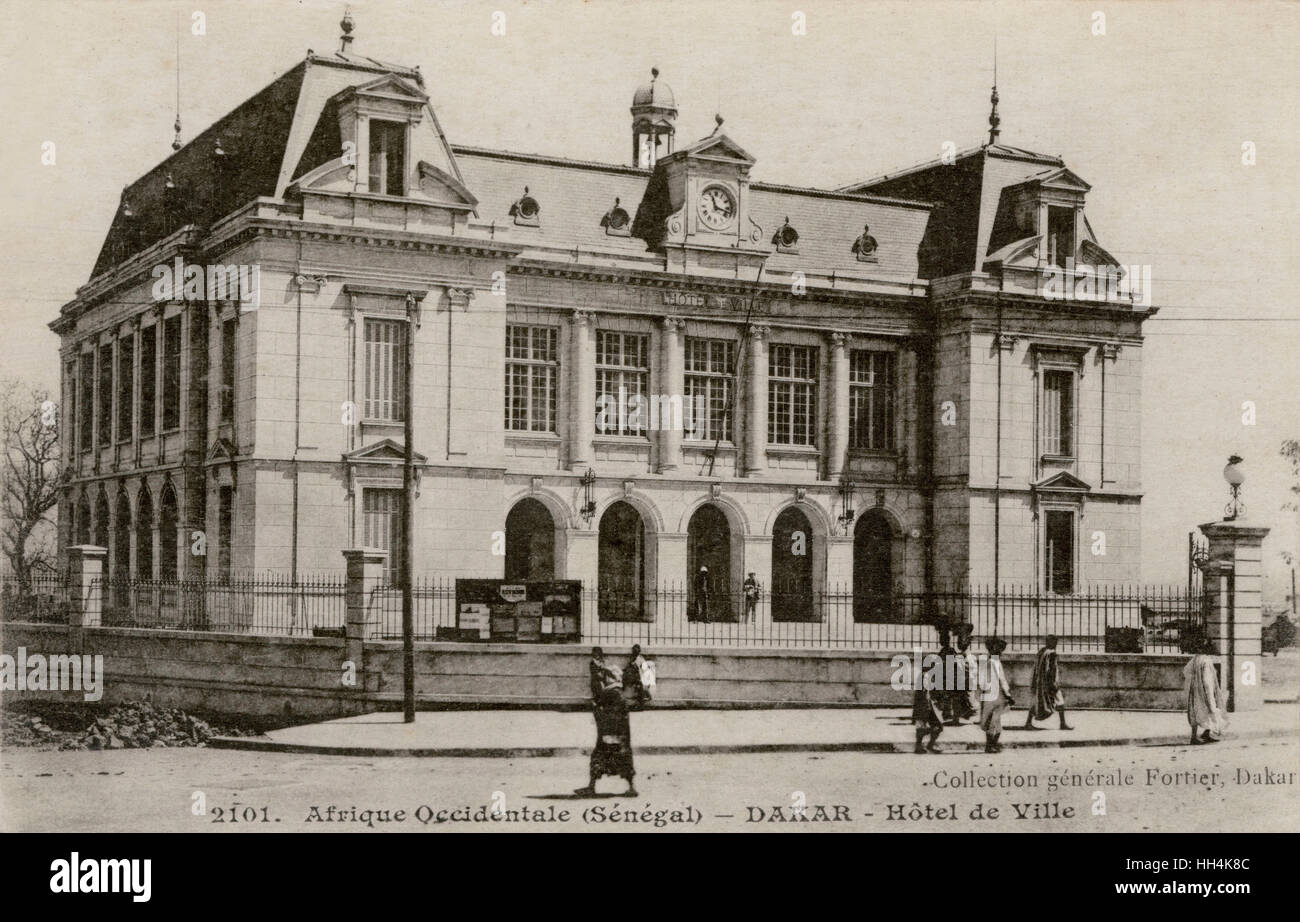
{"points": [[786, 238], [864, 248], [1060, 235], [617, 222], [526, 210], [387, 157]]}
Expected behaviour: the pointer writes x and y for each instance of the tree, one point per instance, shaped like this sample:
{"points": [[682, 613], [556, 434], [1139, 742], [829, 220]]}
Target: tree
{"points": [[1291, 451], [30, 477]]}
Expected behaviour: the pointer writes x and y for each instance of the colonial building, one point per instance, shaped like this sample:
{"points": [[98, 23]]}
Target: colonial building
{"points": [[622, 372]]}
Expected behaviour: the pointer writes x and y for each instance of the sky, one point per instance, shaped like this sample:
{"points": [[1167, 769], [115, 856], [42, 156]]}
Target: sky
{"points": [[1152, 109]]}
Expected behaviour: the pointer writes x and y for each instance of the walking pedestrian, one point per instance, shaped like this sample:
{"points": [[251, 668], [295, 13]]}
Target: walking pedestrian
{"points": [[1206, 710], [751, 596], [996, 695], [602, 674], [1045, 696], [634, 679], [612, 754], [966, 696], [702, 594], [926, 718]]}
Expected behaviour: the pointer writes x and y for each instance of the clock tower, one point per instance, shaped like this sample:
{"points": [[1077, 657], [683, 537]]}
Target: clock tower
{"points": [[696, 209]]}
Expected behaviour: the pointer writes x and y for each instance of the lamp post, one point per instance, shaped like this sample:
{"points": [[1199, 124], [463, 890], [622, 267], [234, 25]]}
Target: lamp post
{"points": [[1235, 477], [846, 504], [588, 510]]}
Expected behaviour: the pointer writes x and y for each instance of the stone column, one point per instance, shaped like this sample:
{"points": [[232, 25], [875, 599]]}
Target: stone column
{"points": [[672, 386], [837, 438], [365, 573], [756, 404], [582, 389], [1234, 583], [85, 585]]}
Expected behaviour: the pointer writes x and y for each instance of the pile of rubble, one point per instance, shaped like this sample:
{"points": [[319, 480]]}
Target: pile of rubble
{"points": [[135, 725]]}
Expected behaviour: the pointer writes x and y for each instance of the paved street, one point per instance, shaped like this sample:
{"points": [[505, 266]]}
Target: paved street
{"points": [[1231, 786]]}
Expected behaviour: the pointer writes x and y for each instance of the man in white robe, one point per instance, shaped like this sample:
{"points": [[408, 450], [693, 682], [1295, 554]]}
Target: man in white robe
{"points": [[1206, 703]]}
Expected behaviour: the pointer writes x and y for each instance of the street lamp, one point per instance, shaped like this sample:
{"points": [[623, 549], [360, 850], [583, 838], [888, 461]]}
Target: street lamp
{"points": [[1235, 477], [846, 504], [588, 510]]}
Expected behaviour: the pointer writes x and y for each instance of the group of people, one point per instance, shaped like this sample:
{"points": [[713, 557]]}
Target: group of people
{"points": [[750, 589], [614, 694], [982, 694]]}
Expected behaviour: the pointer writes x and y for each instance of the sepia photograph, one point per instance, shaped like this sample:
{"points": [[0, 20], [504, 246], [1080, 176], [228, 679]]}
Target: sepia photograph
{"points": [[725, 416]]}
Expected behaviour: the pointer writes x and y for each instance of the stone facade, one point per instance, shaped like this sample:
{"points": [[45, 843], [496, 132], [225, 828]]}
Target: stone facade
{"points": [[888, 357]]}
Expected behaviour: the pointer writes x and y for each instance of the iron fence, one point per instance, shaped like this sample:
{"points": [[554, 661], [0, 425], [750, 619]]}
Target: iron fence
{"points": [[1103, 619]]}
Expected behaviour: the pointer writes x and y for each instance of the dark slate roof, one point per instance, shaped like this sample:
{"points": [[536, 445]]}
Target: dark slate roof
{"points": [[575, 194], [253, 136]]}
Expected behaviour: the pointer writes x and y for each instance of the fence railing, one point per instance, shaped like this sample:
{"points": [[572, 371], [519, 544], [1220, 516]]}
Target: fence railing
{"points": [[1113, 619]]}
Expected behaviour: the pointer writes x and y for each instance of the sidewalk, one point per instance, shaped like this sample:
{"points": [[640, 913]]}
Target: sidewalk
{"points": [[523, 734]]}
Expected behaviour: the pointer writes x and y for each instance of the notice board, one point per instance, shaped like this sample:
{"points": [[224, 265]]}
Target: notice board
{"points": [[511, 611]]}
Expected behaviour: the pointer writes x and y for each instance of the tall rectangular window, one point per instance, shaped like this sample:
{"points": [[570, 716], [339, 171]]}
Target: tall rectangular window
{"points": [[622, 373], [105, 408], [86, 403], [225, 531], [532, 376], [70, 408], [228, 329], [871, 400], [1058, 413], [1060, 235], [385, 370], [792, 395], [125, 387], [710, 369], [171, 373], [1058, 553], [387, 157], [148, 380], [381, 513]]}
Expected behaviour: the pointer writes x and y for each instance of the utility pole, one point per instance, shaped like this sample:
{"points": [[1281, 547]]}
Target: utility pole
{"points": [[408, 514]]}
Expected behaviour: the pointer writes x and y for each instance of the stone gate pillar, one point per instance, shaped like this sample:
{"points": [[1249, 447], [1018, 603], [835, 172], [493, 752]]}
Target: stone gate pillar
{"points": [[365, 573], [1234, 579], [85, 585]]}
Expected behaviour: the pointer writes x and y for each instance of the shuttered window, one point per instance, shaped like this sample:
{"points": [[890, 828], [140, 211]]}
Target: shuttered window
{"points": [[1058, 413], [382, 524], [385, 369]]}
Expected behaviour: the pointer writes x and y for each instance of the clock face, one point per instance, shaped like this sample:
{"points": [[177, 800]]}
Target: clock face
{"points": [[717, 207]]}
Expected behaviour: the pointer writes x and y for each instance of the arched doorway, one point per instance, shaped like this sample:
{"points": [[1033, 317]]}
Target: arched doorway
{"points": [[530, 542], [708, 544], [621, 564], [101, 519], [122, 540], [167, 522], [873, 568], [82, 520], [792, 567], [144, 535]]}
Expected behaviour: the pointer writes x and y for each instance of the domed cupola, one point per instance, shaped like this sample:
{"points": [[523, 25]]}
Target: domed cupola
{"points": [[654, 112]]}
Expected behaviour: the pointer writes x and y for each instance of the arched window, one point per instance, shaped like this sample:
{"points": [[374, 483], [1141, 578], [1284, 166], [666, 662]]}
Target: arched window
{"points": [[101, 519], [530, 542], [167, 534], [708, 545], [621, 563], [873, 576], [792, 570], [82, 521], [122, 539], [144, 535]]}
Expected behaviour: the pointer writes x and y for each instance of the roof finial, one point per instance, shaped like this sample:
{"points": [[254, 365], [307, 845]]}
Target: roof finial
{"points": [[654, 74], [176, 141], [994, 120], [718, 119], [346, 25]]}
